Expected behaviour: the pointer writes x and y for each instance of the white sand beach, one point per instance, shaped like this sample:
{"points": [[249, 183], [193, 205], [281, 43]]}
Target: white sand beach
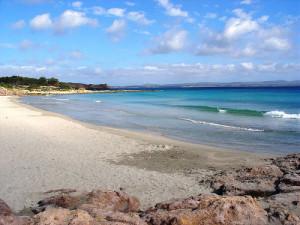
{"points": [[40, 151]]}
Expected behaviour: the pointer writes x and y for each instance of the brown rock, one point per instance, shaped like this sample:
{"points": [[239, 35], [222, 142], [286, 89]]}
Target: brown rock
{"points": [[288, 163], [4, 209], [289, 183], [282, 207], [62, 200], [80, 217], [208, 210], [107, 207], [258, 181], [60, 216], [113, 201], [8, 218], [53, 216], [279, 215]]}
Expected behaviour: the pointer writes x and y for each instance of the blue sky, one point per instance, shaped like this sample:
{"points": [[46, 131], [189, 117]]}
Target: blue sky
{"points": [[125, 42]]}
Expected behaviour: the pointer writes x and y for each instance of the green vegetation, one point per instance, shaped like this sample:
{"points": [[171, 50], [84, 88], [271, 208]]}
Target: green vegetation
{"points": [[45, 84], [16, 81]]}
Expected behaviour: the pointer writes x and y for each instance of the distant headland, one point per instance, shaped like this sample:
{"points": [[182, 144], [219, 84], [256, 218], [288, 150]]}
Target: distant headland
{"points": [[276, 83]]}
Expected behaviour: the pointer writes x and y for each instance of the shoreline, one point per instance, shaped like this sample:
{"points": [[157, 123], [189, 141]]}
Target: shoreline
{"points": [[24, 92], [42, 150], [148, 136]]}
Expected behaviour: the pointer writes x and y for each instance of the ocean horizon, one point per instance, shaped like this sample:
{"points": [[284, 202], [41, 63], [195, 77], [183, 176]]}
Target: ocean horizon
{"points": [[250, 119]]}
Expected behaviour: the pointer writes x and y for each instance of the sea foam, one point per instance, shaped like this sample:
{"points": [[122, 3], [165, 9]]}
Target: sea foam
{"points": [[222, 110], [282, 114], [221, 125]]}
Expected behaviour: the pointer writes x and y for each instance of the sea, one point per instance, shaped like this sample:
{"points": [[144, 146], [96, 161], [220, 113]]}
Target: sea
{"points": [[263, 120]]}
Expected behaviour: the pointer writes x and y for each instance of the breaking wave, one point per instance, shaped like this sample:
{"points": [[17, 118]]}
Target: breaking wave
{"points": [[244, 112], [221, 125], [282, 114]]}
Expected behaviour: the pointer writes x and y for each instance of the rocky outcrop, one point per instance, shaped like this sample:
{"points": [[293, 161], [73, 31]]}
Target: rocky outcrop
{"points": [[283, 208], [208, 210], [259, 181], [288, 163], [117, 208], [96, 207], [280, 175], [262, 195], [276, 185]]}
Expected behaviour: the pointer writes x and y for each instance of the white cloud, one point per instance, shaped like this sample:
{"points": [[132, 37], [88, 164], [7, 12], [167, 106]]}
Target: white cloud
{"points": [[200, 72], [119, 12], [18, 24], [243, 24], [246, 2], [263, 19], [245, 36], [116, 30], [152, 68], [139, 17], [135, 16], [160, 73], [69, 19], [247, 65], [171, 41], [72, 19], [41, 22], [275, 43], [171, 9], [77, 4], [247, 51], [206, 49]]}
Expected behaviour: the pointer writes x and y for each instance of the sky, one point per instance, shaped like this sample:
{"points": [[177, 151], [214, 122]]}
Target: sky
{"points": [[130, 42]]}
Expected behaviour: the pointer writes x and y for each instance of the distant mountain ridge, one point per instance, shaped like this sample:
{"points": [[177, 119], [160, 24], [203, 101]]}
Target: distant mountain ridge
{"points": [[276, 83]]}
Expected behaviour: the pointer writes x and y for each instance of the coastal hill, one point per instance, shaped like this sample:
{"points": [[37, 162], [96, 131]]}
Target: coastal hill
{"points": [[276, 83]]}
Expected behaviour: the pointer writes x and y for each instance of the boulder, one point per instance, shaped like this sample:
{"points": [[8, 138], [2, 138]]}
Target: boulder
{"points": [[208, 210], [113, 201], [7, 217], [93, 208]]}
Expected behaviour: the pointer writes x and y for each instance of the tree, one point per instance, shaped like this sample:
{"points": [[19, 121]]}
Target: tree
{"points": [[42, 81], [53, 81]]}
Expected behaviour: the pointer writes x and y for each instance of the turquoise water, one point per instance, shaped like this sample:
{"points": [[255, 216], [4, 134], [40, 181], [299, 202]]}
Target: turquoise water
{"points": [[252, 119]]}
